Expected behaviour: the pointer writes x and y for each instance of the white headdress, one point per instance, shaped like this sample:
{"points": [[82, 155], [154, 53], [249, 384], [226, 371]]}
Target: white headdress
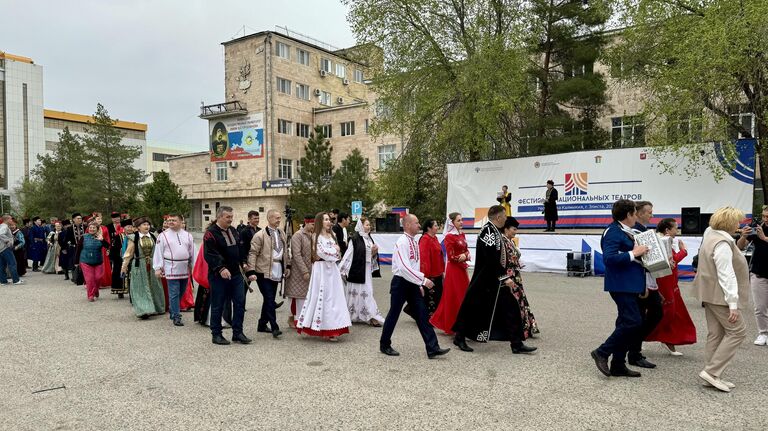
{"points": [[449, 228]]}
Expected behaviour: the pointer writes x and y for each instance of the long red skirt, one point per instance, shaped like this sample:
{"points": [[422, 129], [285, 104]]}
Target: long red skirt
{"points": [[676, 326], [454, 288], [106, 279]]}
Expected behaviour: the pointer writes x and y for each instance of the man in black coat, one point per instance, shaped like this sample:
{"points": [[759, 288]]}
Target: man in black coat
{"points": [[550, 206], [340, 230]]}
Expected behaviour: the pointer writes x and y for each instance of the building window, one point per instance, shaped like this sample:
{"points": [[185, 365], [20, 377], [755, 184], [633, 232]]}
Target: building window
{"points": [[341, 70], [284, 126], [382, 110], [327, 130], [221, 171], [161, 157], [627, 131], [325, 98], [302, 91], [302, 57], [284, 86], [284, 168], [740, 114], [302, 130], [348, 128], [297, 173], [572, 71], [283, 50], [366, 126], [386, 153], [358, 76], [687, 128], [325, 65]]}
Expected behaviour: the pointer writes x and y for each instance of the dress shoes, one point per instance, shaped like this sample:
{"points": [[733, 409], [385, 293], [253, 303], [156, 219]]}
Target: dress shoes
{"points": [[144, 317], [264, 329], [461, 343], [624, 372], [276, 333], [439, 352], [601, 362], [522, 348], [279, 304], [220, 340], [389, 351], [241, 338], [714, 381], [642, 363]]}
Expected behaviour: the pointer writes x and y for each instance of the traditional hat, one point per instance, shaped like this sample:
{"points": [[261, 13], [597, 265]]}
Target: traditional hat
{"points": [[141, 220], [35, 218], [76, 215], [65, 223], [165, 217], [309, 219], [25, 220], [511, 222], [126, 222], [87, 219], [115, 215]]}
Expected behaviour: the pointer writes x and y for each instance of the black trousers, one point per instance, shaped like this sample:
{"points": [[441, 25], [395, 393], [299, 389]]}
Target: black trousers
{"points": [[628, 325], [117, 281], [510, 315], [403, 292], [651, 312], [268, 289], [551, 224], [431, 298]]}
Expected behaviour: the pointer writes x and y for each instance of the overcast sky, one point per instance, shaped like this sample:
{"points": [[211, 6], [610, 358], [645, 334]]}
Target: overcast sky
{"points": [[152, 61]]}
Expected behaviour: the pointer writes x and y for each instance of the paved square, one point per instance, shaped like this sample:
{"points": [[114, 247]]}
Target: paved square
{"points": [[123, 373]]}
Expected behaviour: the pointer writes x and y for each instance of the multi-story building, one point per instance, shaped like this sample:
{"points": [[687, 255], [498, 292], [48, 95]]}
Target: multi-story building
{"points": [[277, 89], [22, 136], [157, 158]]}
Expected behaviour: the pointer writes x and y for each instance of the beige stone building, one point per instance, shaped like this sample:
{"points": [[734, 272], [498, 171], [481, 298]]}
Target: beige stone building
{"points": [[277, 89]]}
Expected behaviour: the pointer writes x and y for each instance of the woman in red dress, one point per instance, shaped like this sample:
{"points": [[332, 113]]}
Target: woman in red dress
{"points": [[676, 327], [106, 279], [456, 278]]}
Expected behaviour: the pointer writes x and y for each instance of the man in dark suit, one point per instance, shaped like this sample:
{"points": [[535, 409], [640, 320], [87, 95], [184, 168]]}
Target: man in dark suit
{"points": [[624, 280], [115, 253], [340, 230], [550, 206]]}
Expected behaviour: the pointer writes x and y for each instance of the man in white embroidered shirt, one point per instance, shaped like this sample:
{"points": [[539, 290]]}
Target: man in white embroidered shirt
{"points": [[173, 259], [408, 286]]}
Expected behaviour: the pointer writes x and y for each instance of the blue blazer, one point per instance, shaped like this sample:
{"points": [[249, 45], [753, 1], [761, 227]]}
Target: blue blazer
{"points": [[621, 273]]}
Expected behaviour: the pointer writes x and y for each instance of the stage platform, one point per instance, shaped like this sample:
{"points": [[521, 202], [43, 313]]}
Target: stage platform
{"points": [[547, 251]]}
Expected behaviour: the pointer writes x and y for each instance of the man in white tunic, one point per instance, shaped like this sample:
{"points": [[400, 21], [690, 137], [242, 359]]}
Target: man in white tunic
{"points": [[408, 286], [174, 259]]}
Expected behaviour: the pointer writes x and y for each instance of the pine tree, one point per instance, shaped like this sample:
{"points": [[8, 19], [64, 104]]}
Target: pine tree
{"points": [[162, 196], [350, 182], [310, 193], [114, 179]]}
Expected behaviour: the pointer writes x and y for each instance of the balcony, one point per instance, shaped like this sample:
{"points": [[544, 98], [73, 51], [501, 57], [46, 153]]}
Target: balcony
{"points": [[221, 110]]}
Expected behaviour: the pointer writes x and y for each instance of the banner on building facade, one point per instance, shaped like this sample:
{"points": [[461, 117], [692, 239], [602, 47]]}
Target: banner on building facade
{"points": [[237, 138], [589, 182]]}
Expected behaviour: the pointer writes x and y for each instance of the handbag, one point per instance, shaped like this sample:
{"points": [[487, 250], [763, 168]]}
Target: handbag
{"points": [[77, 276]]}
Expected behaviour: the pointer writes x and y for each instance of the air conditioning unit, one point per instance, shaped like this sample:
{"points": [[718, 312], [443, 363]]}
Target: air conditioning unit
{"points": [[323, 73], [340, 100], [345, 81], [232, 164], [208, 171], [317, 92]]}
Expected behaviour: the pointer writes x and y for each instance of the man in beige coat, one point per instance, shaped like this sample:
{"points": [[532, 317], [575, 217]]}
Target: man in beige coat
{"points": [[297, 284], [266, 265]]}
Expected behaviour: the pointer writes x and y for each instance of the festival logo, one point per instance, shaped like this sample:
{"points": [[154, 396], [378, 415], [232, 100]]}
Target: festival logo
{"points": [[576, 184]]}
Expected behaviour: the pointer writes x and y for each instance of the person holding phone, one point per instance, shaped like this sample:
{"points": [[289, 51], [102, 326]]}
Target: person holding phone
{"points": [[758, 277]]}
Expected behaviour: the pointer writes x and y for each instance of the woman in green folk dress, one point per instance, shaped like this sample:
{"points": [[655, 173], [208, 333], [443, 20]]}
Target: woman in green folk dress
{"points": [[146, 291]]}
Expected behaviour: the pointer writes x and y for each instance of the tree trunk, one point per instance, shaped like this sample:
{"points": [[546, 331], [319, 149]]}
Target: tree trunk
{"points": [[762, 154]]}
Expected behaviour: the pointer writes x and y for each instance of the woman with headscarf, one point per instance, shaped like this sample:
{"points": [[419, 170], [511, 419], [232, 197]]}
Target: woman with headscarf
{"points": [[456, 278], [528, 325], [51, 265], [92, 259], [146, 290], [358, 264]]}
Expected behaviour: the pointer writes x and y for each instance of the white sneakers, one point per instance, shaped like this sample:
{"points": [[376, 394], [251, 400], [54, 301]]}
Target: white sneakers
{"points": [[711, 380], [762, 340]]}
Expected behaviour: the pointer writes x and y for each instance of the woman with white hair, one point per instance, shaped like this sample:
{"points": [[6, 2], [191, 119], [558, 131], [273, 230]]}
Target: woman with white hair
{"points": [[722, 286]]}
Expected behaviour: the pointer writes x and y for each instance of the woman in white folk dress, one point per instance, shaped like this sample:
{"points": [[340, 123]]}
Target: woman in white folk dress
{"points": [[325, 312], [357, 266]]}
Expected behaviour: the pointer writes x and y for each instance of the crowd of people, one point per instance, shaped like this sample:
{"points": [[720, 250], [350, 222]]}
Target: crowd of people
{"points": [[327, 274]]}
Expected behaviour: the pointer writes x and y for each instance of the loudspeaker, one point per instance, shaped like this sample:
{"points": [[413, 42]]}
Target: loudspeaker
{"points": [[381, 224], [704, 221], [393, 222], [691, 221]]}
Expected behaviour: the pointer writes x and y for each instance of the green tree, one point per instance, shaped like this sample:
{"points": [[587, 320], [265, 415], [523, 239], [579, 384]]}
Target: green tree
{"points": [[701, 66], [350, 182], [564, 44], [310, 192], [162, 196], [113, 178]]}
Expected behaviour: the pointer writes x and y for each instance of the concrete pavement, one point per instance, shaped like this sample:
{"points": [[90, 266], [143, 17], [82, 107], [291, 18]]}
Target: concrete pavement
{"points": [[123, 373]]}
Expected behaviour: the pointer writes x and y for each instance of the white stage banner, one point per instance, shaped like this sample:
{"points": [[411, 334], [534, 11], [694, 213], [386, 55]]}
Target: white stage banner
{"points": [[589, 182], [548, 253]]}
